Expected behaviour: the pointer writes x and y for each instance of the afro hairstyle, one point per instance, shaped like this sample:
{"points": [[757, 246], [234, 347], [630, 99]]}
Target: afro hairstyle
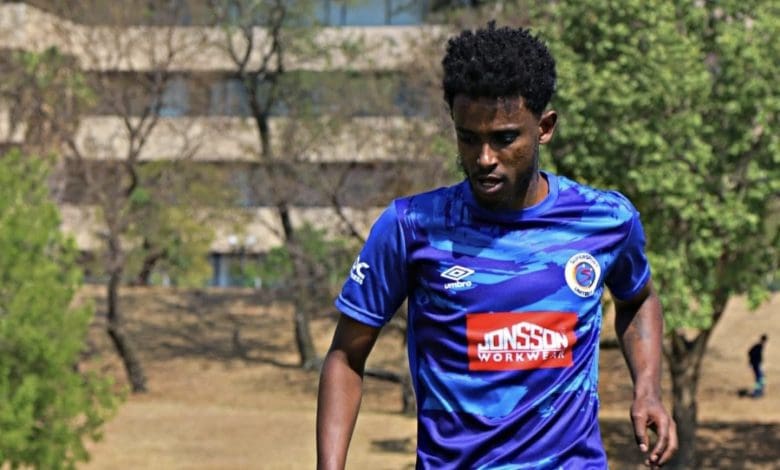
{"points": [[499, 62]]}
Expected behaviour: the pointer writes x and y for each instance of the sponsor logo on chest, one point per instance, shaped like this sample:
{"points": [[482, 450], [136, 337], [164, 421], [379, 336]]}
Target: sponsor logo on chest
{"points": [[517, 341]]}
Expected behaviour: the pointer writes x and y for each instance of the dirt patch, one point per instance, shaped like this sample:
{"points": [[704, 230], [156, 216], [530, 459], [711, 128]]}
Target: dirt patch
{"points": [[225, 391]]}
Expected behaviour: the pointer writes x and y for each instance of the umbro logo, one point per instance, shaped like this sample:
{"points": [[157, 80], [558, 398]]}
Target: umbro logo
{"points": [[356, 273], [457, 274]]}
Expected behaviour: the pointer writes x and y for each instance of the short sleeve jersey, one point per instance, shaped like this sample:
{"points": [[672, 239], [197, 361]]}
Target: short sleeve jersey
{"points": [[504, 318]]}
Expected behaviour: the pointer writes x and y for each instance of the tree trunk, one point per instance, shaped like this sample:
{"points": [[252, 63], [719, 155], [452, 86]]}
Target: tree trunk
{"points": [[684, 363], [304, 340], [150, 261], [124, 346], [304, 291]]}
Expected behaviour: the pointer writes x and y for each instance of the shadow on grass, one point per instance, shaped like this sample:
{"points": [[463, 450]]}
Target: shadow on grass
{"points": [[720, 445], [396, 446], [211, 325]]}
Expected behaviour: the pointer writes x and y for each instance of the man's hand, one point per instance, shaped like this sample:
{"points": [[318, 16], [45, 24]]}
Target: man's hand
{"points": [[649, 413]]}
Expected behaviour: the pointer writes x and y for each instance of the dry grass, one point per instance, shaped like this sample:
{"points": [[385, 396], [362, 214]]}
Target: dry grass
{"points": [[225, 392]]}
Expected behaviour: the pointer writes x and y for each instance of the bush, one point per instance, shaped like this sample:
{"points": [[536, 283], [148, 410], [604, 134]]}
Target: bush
{"points": [[47, 407]]}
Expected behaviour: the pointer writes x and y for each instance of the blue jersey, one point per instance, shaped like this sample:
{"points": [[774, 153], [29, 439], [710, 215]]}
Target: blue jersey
{"points": [[504, 318]]}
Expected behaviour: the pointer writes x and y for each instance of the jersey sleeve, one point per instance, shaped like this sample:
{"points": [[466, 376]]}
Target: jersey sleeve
{"points": [[377, 282], [631, 270]]}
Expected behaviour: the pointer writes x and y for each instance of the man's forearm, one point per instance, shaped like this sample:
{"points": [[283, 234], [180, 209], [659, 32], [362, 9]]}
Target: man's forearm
{"points": [[338, 403], [639, 325], [640, 333]]}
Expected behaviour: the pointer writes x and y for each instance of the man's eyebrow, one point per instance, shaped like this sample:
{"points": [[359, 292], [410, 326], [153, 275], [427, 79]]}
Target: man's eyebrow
{"points": [[500, 130]]}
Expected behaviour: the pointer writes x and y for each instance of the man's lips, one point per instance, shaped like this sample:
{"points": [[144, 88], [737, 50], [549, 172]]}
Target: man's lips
{"points": [[489, 182]]}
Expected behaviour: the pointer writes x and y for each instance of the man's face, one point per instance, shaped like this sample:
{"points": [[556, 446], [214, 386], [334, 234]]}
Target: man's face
{"points": [[498, 143]]}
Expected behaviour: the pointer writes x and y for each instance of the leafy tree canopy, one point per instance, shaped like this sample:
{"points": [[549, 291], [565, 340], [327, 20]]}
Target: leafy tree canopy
{"points": [[674, 104], [47, 407]]}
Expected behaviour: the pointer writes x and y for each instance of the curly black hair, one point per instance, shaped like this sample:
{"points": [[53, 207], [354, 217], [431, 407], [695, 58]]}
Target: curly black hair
{"points": [[499, 62]]}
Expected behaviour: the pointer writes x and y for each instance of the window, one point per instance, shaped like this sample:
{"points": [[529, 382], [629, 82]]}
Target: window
{"points": [[228, 98], [242, 181], [371, 12], [175, 98]]}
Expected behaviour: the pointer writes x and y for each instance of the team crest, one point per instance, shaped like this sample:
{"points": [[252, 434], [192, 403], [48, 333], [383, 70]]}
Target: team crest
{"points": [[582, 274]]}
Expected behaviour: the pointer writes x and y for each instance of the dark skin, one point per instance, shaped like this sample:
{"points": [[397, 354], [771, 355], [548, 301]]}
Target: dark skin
{"points": [[639, 327], [341, 390], [498, 143]]}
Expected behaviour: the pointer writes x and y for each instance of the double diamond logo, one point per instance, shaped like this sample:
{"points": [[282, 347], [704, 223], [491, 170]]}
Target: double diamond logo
{"points": [[457, 274]]}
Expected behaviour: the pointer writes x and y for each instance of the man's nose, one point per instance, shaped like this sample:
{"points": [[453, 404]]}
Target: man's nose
{"points": [[487, 155]]}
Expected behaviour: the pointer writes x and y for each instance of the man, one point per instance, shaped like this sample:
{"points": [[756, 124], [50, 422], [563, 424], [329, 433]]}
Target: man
{"points": [[756, 356], [503, 274]]}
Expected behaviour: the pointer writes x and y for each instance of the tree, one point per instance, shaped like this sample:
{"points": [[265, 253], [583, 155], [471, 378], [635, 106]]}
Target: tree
{"points": [[673, 104], [108, 151], [45, 95], [170, 211], [74, 101], [48, 406], [296, 82], [253, 39]]}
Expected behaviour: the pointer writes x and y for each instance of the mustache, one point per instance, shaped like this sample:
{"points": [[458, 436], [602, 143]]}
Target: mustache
{"points": [[477, 173]]}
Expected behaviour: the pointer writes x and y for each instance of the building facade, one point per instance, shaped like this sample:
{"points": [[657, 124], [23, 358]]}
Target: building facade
{"points": [[359, 85]]}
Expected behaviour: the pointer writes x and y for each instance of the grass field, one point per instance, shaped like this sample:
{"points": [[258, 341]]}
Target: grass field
{"points": [[225, 392]]}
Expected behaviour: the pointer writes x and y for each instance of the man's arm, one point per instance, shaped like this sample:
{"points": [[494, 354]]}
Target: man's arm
{"points": [[340, 390], [639, 325]]}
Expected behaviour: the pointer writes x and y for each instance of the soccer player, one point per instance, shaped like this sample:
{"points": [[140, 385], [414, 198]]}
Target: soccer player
{"points": [[503, 273]]}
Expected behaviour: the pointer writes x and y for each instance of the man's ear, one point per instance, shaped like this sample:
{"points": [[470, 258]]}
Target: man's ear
{"points": [[547, 126]]}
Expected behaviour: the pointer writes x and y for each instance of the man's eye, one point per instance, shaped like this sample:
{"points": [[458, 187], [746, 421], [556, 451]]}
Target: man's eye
{"points": [[505, 138]]}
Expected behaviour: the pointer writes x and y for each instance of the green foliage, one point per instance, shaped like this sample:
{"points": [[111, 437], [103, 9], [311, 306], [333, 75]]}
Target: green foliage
{"points": [[169, 212], [47, 408], [52, 71], [321, 257], [673, 103], [45, 93]]}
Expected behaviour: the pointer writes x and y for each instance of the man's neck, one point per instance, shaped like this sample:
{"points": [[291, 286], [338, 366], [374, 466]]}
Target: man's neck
{"points": [[538, 189]]}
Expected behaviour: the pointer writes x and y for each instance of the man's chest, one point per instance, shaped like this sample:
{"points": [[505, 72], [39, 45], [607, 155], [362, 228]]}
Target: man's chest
{"points": [[545, 267]]}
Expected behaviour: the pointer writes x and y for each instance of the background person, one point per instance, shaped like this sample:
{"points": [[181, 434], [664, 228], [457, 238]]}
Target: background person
{"points": [[756, 358]]}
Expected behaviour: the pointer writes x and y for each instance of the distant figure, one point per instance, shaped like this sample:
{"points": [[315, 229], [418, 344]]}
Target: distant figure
{"points": [[756, 355]]}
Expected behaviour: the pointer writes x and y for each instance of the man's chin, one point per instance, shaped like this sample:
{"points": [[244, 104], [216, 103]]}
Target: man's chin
{"points": [[492, 200]]}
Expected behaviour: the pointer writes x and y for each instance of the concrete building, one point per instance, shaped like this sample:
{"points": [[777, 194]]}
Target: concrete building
{"points": [[204, 115]]}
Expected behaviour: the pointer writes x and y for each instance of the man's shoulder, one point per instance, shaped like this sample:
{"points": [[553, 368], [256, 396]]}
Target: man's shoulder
{"points": [[596, 200]]}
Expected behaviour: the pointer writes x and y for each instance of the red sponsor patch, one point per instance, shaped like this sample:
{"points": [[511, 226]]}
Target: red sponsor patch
{"points": [[512, 341]]}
